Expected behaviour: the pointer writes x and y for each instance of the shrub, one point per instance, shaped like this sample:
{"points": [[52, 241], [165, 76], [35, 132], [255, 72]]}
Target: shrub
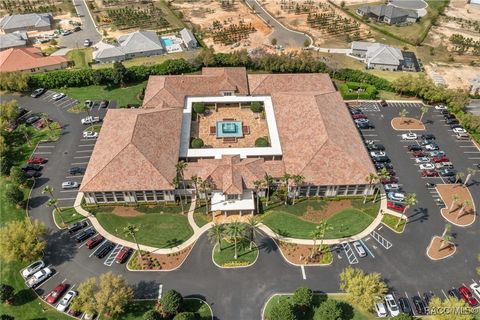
{"points": [[199, 107], [256, 107], [17, 175], [171, 302], [185, 316], [349, 91], [197, 143], [262, 143], [13, 194], [329, 310], [282, 311], [6, 317], [6, 292], [152, 315], [303, 297]]}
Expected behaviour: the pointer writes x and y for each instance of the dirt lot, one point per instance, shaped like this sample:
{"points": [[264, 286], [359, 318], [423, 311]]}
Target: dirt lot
{"points": [[354, 2], [460, 9], [204, 12], [456, 76]]}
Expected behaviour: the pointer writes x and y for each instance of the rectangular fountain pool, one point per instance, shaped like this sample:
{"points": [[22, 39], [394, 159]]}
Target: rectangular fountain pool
{"points": [[226, 129]]}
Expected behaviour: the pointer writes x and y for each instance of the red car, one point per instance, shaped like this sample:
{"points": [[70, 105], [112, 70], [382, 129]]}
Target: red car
{"points": [[57, 293], [93, 242], [467, 296], [429, 173], [37, 160], [123, 255], [40, 123], [419, 153], [396, 206], [359, 116], [389, 180], [440, 159]]}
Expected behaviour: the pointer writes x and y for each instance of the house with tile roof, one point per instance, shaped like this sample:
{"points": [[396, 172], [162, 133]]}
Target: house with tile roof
{"points": [[382, 57], [27, 22], [30, 60], [388, 14], [17, 39], [136, 152]]}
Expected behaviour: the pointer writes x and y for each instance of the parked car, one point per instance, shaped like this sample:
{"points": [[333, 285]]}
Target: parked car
{"points": [[21, 112], [123, 255], [70, 185], [444, 112], [66, 300], [462, 136], [377, 153], [422, 160], [361, 120], [409, 136], [396, 196], [32, 119], [443, 165], [395, 206], [90, 134], [360, 249], [419, 153], [389, 180], [414, 147], [475, 287], [419, 304], [427, 297], [381, 159], [104, 249], [38, 277], [448, 115], [58, 96], [359, 116], [405, 306], [440, 107], [467, 296], [453, 180], [459, 130], [38, 92], [76, 170], [32, 167], [427, 136], [431, 147], [84, 235], [104, 103], [66, 32], [427, 166], [454, 126], [87, 43], [380, 166], [429, 173], [88, 104], [381, 310], [452, 121], [32, 174], [392, 187], [448, 172], [57, 293], [392, 305], [375, 147], [95, 241], [355, 111], [76, 29], [454, 293], [74, 227], [437, 159], [365, 126], [90, 120], [33, 268], [436, 153]]}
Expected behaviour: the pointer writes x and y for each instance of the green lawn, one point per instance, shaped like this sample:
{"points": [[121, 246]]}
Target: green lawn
{"points": [[391, 221], [80, 57], [69, 215], [286, 220], [199, 215], [226, 256], [350, 313], [197, 306], [141, 61], [161, 230], [123, 96]]}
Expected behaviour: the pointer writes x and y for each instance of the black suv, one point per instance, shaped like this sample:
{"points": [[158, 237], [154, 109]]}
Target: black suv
{"points": [[414, 147], [381, 159], [405, 306], [427, 136], [74, 227], [419, 305], [84, 235], [30, 167], [33, 174], [104, 249], [76, 170], [375, 147]]}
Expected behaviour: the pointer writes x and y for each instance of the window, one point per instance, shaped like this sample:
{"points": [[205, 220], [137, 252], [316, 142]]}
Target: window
{"points": [[109, 196], [99, 197], [351, 190], [160, 195], [341, 190], [313, 191], [232, 196], [227, 93], [139, 196], [303, 191], [361, 189], [322, 191], [119, 196], [149, 195]]}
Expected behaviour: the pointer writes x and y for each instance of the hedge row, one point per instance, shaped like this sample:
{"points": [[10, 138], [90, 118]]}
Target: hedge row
{"points": [[349, 91]]}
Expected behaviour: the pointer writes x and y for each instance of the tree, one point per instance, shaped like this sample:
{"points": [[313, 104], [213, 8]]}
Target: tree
{"points": [[465, 204], [455, 199], [196, 181], [152, 315], [256, 107], [185, 316], [113, 295], [17, 176], [257, 184], [446, 237], [197, 143], [282, 311], [403, 316], [329, 310], [315, 235], [362, 289], [402, 114], [52, 202], [297, 180], [274, 41], [423, 109], [205, 185], [9, 111], [13, 194], [85, 301], [371, 179], [6, 317], [459, 176], [470, 173], [119, 73], [131, 231], [303, 298], [25, 132], [410, 200], [6, 292], [450, 304], [235, 230], [199, 107], [286, 178], [180, 167], [20, 240], [176, 184], [268, 182], [206, 57], [215, 234], [306, 43], [171, 302], [252, 224]]}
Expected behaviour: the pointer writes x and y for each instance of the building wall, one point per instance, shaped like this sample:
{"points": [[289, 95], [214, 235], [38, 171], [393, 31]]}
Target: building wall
{"points": [[144, 54], [59, 66], [377, 66], [334, 191], [129, 196], [359, 53], [30, 28]]}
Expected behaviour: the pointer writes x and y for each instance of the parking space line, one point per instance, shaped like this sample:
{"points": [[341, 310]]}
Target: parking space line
{"points": [[380, 239], [82, 157], [471, 152], [446, 297], [68, 191], [304, 276], [72, 177], [44, 146], [43, 152], [65, 199], [85, 241], [111, 257], [80, 151], [352, 258], [50, 278], [98, 247], [86, 145]]}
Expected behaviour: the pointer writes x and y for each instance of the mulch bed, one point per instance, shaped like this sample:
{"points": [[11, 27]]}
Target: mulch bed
{"points": [[447, 191], [164, 262], [328, 210], [407, 124], [126, 212], [298, 254], [434, 251]]}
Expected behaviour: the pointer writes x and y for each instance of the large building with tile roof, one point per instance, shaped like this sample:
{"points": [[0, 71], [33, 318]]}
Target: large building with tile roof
{"points": [[310, 133]]}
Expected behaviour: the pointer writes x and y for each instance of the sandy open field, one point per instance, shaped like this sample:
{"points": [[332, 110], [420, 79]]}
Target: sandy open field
{"points": [[460, 9], [204, 12], [353, 2], [456, 76]]}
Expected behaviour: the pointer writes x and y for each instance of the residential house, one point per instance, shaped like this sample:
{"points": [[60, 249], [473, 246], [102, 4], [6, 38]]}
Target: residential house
{"points": [[388, 14], [382, 57], [27, 22], [30, 60], [188, 39], [17, 39]]}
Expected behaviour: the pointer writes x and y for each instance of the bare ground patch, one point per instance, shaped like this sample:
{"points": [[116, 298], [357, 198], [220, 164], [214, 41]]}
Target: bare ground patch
{"points": [[456, 212], [157, 262], [407, 124], [301, 254], [435, 251], [328, 210], [126, 212]]}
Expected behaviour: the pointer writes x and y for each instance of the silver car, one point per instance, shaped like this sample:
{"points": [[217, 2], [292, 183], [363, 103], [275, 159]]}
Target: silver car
{"points": [[31, 269], [70, 185], [360, 249], [66, 300]]}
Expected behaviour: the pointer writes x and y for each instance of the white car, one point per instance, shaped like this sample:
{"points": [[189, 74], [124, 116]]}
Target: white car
{"points": [[440, 107], [39, 277], [378, 153], [58, 96], [436, 153], [422, 160], [31, 269], [359, 121], [381, 310], [475, 289], [70, 185], [396, 196], [90, 120], [392, 305], [90, 134], [409, 136], [427, 166], [360, 249], [431, 147], [392, 187], [66, 300], [459, 130]]}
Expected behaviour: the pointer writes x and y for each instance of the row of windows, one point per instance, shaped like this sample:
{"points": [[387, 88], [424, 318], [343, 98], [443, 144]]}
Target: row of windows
{"points": [[139, 196], [322, 191]]}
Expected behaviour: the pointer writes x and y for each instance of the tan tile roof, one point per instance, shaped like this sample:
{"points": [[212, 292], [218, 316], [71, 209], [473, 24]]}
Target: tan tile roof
{"points": [[19, 59]]}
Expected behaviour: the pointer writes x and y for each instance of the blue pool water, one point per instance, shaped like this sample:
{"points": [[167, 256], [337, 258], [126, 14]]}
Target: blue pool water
{"points": [[226, 129], [167, 42]]}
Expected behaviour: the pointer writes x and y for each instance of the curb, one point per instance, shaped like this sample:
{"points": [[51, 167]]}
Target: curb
{"points": [[397, 232], [437, 259], [161, 270], [393, 127], [303, 265], [235, 267]]}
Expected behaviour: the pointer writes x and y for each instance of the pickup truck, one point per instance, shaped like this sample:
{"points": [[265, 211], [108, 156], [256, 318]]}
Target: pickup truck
{"points": [[443, 165], [90, 120], [38, 277]]}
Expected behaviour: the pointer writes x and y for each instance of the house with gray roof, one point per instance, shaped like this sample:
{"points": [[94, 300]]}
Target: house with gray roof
{"points": [[17, 39], [132, 45], [27, 22], [382, 57], [388, 14], [188, 39]]}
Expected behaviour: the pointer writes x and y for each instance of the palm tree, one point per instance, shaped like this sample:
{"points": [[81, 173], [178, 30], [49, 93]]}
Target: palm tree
{"points": [[205, 185], [323, 227], [446, 237], [455, 199], [459, 176], [424, 110], [257, 184], [410, 200], [297, 180], [196, 180], [371, 179], [402, 114], [52, 202], [382, 175], [465, 204], [235, 230], [175, 183], [315, 234], [180, 167], [268, 182], [286, 177], [49, 190], [131, 230], [215, 234], [470, 173], [252, 225]]}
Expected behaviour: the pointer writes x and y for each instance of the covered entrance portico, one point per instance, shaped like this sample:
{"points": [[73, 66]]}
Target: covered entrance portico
{"points": [[233, 205]]}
